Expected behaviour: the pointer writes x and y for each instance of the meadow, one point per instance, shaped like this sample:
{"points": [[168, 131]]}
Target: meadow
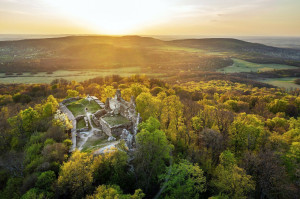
{"points": [[77, 75], [286, 82], [240, 66]]}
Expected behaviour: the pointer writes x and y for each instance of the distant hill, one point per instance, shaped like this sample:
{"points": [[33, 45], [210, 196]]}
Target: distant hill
{"points": [[76, 52], [238, 46]]}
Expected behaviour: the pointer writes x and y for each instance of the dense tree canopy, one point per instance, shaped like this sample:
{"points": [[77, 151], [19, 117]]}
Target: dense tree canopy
{"points": [[215, 139]]}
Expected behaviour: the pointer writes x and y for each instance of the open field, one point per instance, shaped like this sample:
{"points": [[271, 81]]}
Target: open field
{"points": [[286, 82], [244, 66], [78, 75], [78, 107]]}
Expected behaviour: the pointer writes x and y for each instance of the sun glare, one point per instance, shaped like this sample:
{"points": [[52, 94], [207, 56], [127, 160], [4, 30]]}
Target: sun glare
{"points": [[112, 16]]}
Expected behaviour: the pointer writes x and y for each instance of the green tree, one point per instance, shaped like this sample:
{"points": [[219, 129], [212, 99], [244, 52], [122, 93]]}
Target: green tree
{"points": [[231, 180], [114, 192], [148, 106], [183, 180], [46, 180], [34, 193], [111, 168], [152, 153], [12, 189], [245, 132], [75, 177], [171, 115]]}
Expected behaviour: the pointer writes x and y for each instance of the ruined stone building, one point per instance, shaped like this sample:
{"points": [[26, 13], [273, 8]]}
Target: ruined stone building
{"points": [[117, 115]]}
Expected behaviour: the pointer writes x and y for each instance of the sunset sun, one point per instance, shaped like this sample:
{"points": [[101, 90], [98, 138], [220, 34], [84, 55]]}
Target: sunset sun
{"points": [[111, 17]]}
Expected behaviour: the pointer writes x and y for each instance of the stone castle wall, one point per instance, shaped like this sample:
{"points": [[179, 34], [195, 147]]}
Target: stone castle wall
{"points": [[114, 130], [118, 106]]}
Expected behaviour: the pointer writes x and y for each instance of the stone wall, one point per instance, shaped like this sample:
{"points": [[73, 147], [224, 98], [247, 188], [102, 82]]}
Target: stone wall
{"points": [[72, 99], [114, 130], [118, 105]]}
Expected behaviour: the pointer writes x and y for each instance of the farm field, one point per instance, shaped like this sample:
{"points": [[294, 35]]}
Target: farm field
{"points": [[244, 66], [78, 75], [286, 82]]}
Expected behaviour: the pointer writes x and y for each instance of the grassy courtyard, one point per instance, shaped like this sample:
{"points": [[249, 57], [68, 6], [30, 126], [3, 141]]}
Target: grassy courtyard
{"points": [[78, 107], [116, 120], [80, 124]]}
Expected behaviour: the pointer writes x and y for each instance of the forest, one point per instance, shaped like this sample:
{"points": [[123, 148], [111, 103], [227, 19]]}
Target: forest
{"points": [[217, 139]]}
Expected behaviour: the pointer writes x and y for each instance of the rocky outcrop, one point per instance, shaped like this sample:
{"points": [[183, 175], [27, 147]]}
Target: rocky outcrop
{"points": [[128, 138], [111, 139]]}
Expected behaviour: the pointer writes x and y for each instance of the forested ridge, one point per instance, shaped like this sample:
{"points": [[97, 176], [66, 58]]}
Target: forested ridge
{"points": [[209, 139]]}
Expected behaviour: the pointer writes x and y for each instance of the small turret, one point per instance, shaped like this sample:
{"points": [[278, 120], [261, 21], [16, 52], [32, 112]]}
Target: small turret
{"points": [[107, 107], [118, 95]]}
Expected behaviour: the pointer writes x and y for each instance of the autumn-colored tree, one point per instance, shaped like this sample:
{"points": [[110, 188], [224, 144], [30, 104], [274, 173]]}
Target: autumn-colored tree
{"points": [[107, 92], [75, 177], [113, 192], [72, 93], [148, 106]]}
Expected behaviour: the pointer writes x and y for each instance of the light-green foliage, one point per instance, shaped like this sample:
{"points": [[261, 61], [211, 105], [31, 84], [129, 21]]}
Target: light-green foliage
{"points": [[245, 132], [231, 180], [183, 180], [148, 106], [152, 153], [114, 192]]}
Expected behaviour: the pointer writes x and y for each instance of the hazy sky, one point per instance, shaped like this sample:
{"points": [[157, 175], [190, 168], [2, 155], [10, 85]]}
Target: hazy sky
{"points": [[160, 17]]}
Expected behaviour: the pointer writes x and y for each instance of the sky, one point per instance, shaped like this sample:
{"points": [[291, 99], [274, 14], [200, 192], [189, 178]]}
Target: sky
{"points": [[151, 17]]}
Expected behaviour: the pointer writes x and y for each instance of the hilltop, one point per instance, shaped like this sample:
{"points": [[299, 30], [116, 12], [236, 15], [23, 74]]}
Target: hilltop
{"points": [[75, 52]]}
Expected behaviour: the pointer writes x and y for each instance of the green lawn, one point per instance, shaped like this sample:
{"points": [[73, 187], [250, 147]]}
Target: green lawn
{"points": [[116, 120], [78, 107], [80, 124], [244, 66]]}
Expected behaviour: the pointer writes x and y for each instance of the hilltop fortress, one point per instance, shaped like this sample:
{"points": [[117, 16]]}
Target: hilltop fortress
{"points": [[117, 115], [116, 119]]}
